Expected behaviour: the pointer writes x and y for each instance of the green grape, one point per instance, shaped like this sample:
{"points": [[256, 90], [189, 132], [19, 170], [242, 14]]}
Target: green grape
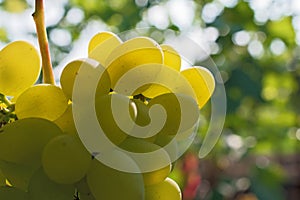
{"points": [[2, 178], [42, 101], [65, 160], [66, 122], [142, 146], [130, 54], [84, 190], [166, 190], [22, 141], [72, 69], [42, 188], [202, 81], [110, 184], [142, 119], [11, 193], [17, 175], [163, 140], [171, 105], [20, 67], [106, 118], [182, 113], [102, 44], [87, 197]]}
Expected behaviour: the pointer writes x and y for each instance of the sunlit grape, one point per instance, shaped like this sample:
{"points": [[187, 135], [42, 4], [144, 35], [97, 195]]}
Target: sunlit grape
{"points": [[71, 71], [20, 67], [202, 81], [43, 101], [132, 53], [102, 44], [65, 160]]}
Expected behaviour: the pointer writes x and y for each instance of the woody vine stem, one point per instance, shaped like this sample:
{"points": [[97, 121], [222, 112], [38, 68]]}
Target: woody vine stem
{"points": [[39, 19]]}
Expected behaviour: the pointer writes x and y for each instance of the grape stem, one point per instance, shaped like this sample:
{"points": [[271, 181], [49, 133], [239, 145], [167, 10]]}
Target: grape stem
{"points": [[39, 19], [5, 100]]}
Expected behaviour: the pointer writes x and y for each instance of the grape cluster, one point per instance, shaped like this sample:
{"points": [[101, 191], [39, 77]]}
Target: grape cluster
{"points": [[43, 155]]}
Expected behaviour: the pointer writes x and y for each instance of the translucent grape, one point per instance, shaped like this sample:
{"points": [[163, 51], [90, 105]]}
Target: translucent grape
{"points": [[18, 175], [102, 44], [66, 122], [171, 105], [142, 146], [65, 160], [22, 141], [130, 54], [2, 178], [202, 81], [20, 67], [42, 101], [106, 118], [110, 184], [11, 193], [72, 69], [142, 119], [171, 57], [165, 190], [84, 189], [42, 188]]}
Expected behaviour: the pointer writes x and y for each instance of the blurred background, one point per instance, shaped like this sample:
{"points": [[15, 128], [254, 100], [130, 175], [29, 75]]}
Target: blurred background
{"points": [[255, 45]]}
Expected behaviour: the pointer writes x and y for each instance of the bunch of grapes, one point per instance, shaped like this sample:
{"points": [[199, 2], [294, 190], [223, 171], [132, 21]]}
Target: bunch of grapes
{"points": [[141, 101]]}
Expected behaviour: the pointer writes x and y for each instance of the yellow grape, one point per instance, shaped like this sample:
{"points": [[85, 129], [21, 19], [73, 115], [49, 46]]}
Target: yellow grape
{"points": [[102, 44], [11, 193], [84, 189], [72, 69], [87, 197], [170, 145], [171, 105], [65, 160], [22, 141], [130, 54], [202, 81], [20, 67], [106, 118], [18, 175], [171, 57], [2, 178], [142, 119], [42, 101], [182, 112], [110, 184], [42, 188], [167, 80], [66, 122], [165, 190], [142, 146]]}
